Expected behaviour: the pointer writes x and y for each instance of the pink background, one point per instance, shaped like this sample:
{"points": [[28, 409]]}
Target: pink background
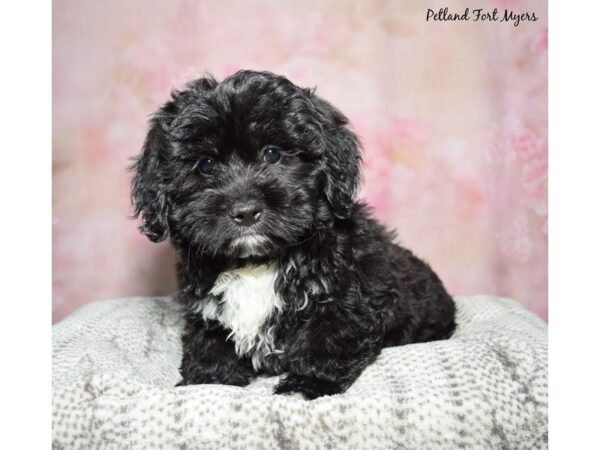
{"points": [[452, 115]]}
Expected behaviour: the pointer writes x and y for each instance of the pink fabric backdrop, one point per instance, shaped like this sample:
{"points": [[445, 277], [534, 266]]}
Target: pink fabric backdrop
{"points": [[452, 115]]}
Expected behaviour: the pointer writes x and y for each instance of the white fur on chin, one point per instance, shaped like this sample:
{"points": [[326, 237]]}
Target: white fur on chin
{"points": [[250, 245]]}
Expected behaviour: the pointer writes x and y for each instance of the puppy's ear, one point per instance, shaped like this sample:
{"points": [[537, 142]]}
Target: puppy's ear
{"points": [[341, 159], [154, 167], [148, 194]]}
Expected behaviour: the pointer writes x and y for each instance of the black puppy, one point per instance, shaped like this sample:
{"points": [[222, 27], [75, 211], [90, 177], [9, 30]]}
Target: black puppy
{"points": [[279, 268]]}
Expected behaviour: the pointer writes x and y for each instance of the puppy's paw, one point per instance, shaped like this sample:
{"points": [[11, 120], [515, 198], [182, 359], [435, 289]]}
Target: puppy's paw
{"points": [[233, 378], [311, 387]]}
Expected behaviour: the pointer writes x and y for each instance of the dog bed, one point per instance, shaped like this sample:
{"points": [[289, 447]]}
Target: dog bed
{"points": [[115, 367]]}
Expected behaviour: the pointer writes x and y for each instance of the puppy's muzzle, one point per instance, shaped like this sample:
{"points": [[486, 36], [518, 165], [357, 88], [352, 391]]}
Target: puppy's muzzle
{"points": [[246, 213]]}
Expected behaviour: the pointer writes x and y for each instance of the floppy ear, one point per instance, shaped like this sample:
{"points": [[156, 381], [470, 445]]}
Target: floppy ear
{"points": [[148, 194], [153, 167], [341, 159]]}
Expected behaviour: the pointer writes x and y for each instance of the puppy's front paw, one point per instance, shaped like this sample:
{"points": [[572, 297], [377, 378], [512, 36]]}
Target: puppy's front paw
{"points": [[233, 379], [236, 375], [311, 387]]}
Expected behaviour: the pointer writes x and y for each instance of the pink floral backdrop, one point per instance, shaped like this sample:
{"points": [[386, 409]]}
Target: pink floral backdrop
{"points": [[452, 115]]}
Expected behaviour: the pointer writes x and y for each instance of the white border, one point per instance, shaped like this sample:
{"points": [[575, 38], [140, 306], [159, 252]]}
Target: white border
{"points": [[574, 232], [25, 224]]}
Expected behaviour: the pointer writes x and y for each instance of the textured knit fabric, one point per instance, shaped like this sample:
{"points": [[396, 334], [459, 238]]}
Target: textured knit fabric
{"points": [[115, 366]]}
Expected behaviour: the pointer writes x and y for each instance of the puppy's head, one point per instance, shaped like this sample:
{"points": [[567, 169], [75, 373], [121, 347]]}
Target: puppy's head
{"points": [[245, 167]]}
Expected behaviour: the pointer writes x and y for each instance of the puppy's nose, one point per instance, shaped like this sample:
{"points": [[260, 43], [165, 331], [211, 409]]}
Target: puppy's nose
{"points": [[246, 214]]}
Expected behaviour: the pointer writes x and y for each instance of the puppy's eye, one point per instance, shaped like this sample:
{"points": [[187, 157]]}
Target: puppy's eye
{"points": [[206, 165], [272, 155]]}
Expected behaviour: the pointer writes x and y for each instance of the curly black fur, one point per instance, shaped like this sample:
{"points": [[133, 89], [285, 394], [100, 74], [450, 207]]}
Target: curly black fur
{"points": [[346, 289]]}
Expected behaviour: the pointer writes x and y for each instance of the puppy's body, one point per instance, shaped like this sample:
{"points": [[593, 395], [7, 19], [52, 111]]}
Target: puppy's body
{"points": [[280, 269]]}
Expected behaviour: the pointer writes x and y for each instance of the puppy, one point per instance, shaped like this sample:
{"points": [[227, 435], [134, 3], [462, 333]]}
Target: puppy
{"points": [[280, 269]]}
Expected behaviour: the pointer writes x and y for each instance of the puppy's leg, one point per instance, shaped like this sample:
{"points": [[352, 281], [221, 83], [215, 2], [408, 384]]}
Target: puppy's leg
{"points": [[209, 358], [330, 352]]}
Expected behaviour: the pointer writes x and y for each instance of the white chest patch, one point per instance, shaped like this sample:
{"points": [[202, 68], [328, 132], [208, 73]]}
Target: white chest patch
{"points": [[244, 301]]}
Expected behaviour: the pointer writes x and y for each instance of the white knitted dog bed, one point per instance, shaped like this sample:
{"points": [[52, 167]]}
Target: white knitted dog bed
{"points": [[115, 366]]}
